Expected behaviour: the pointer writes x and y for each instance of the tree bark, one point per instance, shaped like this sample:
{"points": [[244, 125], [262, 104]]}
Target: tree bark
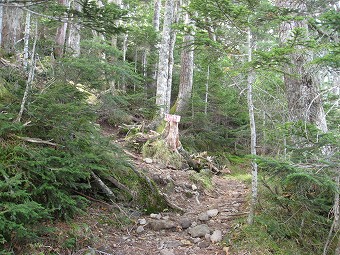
{"points": [[302, 92], [1, 21], [206, 92], [30, 76], [251, 77], [73, 40], [164, 56], [12, 27], [26, 39], [60, 37], [187, 70], [157, 14]]}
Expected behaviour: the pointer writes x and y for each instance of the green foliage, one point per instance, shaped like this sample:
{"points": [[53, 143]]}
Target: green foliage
{"points": [[125, 108], [41, 181], [92, 69], [297, 202]]}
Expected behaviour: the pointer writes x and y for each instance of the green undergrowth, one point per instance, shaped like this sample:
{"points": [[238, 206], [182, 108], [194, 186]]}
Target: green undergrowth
{"points": [[257, 239], [48, 158], [294, 212], [239, 169]]}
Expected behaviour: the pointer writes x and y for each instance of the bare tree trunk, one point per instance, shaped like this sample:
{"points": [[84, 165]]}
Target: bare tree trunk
{"points": [[187, 70], [73, 40], [26, 39], [304, 99], [30, 76], [336, 207], [164, 56], [145, 62], [1, 21], [207, 92], [125, 46], [156, 22], [60, 37], [251, 77]]}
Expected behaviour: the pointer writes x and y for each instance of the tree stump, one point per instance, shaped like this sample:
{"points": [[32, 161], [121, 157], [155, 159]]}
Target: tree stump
{"points": [[171, 132]]}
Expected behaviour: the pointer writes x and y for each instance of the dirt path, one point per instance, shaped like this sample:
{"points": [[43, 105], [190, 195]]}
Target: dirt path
{"points": [[200, 229]]}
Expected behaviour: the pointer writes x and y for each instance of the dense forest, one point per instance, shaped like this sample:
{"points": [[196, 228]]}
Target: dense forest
{"points": [[256, 84]]}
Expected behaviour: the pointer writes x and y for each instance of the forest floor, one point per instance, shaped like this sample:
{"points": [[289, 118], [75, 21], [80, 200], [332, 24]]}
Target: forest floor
{"points": [[202, 228]]}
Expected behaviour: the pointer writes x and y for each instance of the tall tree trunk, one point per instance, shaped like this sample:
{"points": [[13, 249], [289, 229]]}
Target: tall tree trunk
{"points": [[1, 21], [207, 91], [156, 21], [164, 56], [187, 70], [12, 27], [171, 55], [73, 40], [60, 37], [304, 99], [250, 80], [114, 43]]}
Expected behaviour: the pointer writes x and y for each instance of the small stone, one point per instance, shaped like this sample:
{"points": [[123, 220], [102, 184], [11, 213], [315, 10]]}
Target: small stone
{"points": [[185, 223], [173, 244], [207, 237], [199, 230], [161, 224], [193, 187], [142, 221], [216, 236], [140, 229], [166, 217], [196, 240], [148, 160], [194, 224], [186, 242], [203, 244], [166, 252], [212, 213], [203, 216], [156, 216]]}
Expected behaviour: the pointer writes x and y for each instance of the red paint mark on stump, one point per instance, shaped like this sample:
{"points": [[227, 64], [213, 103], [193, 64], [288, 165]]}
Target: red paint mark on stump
{"points": [[171, 117]]}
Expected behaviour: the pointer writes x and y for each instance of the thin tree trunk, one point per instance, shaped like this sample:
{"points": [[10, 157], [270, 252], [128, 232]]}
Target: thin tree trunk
{"points": [[125, 46], [335, 228], [1, 21], [30, 76], [207, 92], [145, 63], [26, 39], [251, 77]]}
